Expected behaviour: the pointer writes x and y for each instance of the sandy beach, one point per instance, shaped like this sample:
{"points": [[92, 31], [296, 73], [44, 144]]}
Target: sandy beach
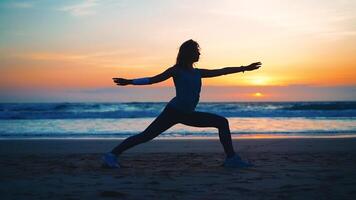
{"points": [[298, 168]]}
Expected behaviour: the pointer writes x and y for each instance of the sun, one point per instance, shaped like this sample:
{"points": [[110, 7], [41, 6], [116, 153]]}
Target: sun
{"points": [[258, 94]]}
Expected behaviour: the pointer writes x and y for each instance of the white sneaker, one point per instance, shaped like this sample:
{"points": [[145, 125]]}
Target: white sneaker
{"points": [[111, 160], [236, 162]]}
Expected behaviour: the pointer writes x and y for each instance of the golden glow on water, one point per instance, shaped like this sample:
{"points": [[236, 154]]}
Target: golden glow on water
{"points": [[241, 128], [258, 136], [271, 136]]}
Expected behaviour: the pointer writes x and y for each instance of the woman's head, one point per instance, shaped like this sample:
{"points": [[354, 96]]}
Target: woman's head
{"points": [[188, 53]]}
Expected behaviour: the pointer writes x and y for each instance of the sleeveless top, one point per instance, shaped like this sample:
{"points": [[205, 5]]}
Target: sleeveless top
{"points": [[188, 86]]}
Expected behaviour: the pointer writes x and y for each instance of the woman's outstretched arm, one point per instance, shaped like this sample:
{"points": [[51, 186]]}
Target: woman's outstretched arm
{"points": [[148, 80], [206, 73]]}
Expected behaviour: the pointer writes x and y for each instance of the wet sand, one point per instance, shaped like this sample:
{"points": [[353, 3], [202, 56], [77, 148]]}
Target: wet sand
{"points": [[298, 168]]}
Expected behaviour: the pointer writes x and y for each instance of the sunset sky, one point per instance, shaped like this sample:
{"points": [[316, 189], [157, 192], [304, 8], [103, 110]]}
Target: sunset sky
{"points": [[70, 50]]}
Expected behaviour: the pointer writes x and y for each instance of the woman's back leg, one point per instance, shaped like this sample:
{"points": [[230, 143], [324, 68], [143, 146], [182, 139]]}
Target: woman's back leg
{"points": [[163, 122]]}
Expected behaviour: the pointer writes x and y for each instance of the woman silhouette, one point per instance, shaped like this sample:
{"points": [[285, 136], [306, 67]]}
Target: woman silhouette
{"points": [[181, 109]]}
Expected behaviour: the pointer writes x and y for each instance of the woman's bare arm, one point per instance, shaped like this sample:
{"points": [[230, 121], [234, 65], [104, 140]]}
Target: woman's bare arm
{"points": [[207, 73], [146, 81]]}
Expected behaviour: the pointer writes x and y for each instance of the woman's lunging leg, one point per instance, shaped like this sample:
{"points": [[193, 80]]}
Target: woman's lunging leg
{"points": [[163, 122], [203, 119]]}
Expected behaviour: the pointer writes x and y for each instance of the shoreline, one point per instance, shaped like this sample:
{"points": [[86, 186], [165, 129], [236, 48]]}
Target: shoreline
{"points": [[85, 146], [234, 137]]}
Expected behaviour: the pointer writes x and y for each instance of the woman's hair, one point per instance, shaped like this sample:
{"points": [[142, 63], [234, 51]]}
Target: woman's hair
{"points": [[187, 53]]}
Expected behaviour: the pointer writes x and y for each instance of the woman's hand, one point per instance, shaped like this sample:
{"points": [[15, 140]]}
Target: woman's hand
{"points": [[253, 66], [122, 81]]}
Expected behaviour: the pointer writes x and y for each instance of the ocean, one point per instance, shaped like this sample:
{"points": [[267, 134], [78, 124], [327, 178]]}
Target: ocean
{"points": [[120, 120]]}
